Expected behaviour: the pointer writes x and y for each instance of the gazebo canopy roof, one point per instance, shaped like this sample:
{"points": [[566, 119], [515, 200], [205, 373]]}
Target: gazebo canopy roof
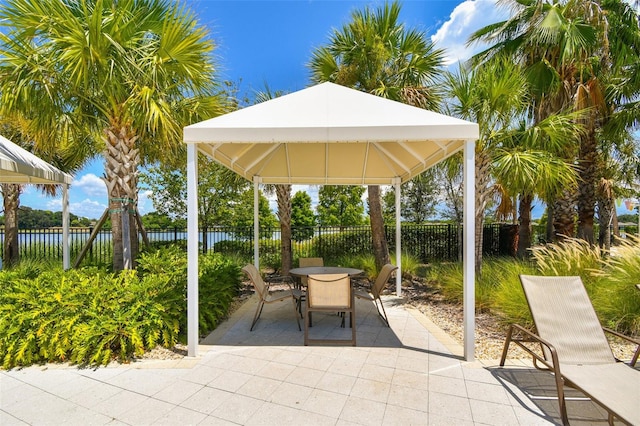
{"points": [[18, 165], [330, 134]]}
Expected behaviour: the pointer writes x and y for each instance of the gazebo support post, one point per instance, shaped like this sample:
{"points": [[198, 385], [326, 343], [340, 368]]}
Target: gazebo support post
{"points": [[468, 256], [398, 239], [192, 250], [66, 262], [256, 223]]}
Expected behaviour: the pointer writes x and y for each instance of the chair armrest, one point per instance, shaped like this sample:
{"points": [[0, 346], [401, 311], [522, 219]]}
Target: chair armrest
{"points": [[636, 342], [554, 365]]}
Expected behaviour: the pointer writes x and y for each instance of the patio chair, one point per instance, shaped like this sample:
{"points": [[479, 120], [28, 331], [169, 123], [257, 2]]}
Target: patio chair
{"points": [[376, 289], [303, 262], [309, 261], [329, 293], [263, 291], [575, 348]]}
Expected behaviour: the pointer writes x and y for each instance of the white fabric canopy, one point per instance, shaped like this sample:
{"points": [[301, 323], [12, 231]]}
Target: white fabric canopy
{"points": [[330, 134], [19, 166]]}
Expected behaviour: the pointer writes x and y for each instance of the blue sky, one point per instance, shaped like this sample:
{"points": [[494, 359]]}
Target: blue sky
{"points": [[271, 42]]}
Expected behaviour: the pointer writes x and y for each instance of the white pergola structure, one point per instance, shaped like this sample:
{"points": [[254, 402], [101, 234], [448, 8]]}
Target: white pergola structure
{"points": [[17, 165], [331, 135]]}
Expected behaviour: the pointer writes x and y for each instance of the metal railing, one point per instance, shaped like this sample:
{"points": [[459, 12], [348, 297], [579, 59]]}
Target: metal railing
{"points": [[426, 242]]}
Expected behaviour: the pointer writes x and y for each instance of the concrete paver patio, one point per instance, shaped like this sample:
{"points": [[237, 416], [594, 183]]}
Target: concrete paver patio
{"points": [[411, 373]]}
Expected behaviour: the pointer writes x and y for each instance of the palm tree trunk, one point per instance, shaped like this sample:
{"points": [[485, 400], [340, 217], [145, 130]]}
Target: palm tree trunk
{"points": [[606, 207], [379, 239], [283, 193], [549, 229], [121, 177], [483, 163], [11, 201], [564, 215], [588, 162], [524, 228]]}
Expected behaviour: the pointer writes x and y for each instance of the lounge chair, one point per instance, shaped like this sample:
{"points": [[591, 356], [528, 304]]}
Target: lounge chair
{"points": [[575, 348], [262, 289], [376, 289], [329, 293]]}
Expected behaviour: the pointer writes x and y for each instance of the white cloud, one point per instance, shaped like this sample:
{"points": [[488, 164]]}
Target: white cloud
{"points": [[468, 17], [145, 205], [91, 185], [88, 208]]}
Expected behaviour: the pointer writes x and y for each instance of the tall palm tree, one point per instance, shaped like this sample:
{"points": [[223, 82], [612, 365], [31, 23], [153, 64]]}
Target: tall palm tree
{"points": [[132, 71], [565, 45], [494, 96], [376, 54]]}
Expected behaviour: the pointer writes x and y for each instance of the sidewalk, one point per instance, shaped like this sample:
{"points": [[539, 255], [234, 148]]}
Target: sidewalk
{"points": [[411, 373]]}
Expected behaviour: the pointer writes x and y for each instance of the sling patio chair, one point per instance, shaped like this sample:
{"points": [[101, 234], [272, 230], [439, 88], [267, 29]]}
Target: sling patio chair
{"points": [[302, 281], [329, 293], [266, 296], [575, 348], [376, 289]]}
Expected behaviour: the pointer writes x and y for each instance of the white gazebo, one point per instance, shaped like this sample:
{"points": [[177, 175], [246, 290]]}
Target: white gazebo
{"points": [[19, 166], [331, 135]]}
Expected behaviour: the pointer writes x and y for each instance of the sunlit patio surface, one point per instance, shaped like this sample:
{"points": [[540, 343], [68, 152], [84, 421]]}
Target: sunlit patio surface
{"points": [[409, 374]]}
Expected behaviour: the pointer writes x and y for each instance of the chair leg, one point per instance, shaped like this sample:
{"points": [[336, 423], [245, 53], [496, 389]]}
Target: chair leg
{"points": [[505, 349], [257, 314], [382, 314], [561, 401], [295, 312], [353, 327], [307, 320]]}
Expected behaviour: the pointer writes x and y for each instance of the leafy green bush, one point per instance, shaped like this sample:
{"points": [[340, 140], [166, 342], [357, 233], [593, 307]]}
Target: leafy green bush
{"points": [[269, 251], [89, 316], [339, 244]]}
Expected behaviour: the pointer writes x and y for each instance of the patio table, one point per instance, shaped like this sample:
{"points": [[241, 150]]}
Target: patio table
{"points": [[323, 270]]}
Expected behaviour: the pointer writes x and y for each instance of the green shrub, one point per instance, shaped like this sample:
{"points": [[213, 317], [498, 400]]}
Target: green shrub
{"points": [[89, 316], [348, 243], [269, 251]]}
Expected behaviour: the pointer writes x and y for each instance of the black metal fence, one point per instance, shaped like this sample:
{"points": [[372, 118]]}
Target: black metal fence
{"points": [[427, 242]]}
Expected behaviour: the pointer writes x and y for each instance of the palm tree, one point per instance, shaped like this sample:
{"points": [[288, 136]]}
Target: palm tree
{"points": [[566, 49], [376, 54], [495, 97], [530, 164], [133, 72]]}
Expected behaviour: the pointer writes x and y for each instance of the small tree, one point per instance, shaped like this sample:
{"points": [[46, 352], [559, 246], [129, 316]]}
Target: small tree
{"points": [[218, 190], [340, 205], [418, 198], [242, 216], [302, 217]]}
